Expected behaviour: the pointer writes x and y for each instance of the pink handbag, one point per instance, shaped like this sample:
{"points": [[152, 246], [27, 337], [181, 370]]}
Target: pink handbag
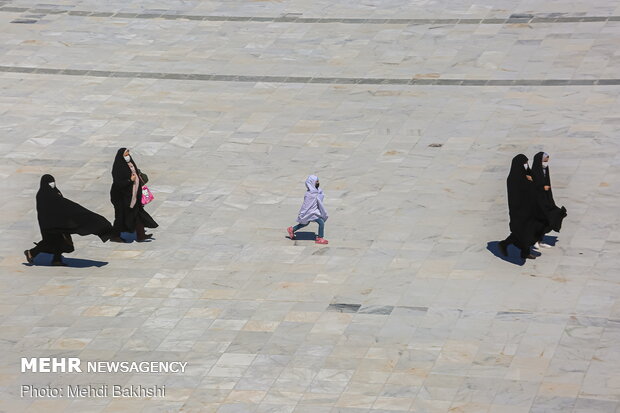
{"points": [[147, 195]]}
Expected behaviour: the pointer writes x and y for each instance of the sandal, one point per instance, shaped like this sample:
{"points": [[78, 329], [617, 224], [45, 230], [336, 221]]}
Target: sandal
{"points": [[29, 257]]}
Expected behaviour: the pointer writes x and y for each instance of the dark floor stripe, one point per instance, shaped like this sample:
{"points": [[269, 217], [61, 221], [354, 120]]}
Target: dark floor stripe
{"points": [[308, 79], [170, 15]]}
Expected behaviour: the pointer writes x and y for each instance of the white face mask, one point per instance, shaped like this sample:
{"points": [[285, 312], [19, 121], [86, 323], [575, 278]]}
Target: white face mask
{"points": [[52, 184], [525, 166], [544, 164], [127, 158]]}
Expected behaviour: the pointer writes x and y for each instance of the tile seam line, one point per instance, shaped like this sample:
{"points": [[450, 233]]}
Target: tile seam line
{"points": [[313, 20], [307, 79]]}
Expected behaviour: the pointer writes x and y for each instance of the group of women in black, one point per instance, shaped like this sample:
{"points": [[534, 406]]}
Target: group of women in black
{"points": [[60, 217], [532, 209]]}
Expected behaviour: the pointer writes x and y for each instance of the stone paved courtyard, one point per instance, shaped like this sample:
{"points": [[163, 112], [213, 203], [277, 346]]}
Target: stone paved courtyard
{"points": [[409, 113]]}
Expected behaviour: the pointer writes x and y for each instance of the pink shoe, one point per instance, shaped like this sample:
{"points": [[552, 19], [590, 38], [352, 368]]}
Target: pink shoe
{"points": [[321, 241], [291, 234]]}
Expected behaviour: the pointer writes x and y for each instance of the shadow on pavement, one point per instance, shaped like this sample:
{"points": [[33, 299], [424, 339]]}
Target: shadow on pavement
{"points": [[514, 256], [45, 260], [304, 236], [550, 240]]}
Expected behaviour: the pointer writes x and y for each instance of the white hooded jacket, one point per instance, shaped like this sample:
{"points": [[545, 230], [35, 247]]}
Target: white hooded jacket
{"points": [[312, 208]]}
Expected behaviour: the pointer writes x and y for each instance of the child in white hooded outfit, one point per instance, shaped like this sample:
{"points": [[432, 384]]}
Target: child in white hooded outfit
{"points": [[311, 210]]}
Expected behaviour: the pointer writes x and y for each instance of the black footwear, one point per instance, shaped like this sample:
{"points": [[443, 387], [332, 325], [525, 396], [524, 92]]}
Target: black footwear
{"points": [[59, 264], [29, 257], [117, 239], [529, 257], [503, 249], [146, 238]]}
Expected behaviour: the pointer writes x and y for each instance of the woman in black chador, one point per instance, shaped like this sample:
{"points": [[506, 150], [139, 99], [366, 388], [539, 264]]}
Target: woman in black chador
{"points": [[59, 218], [524, 227], [126, 195], [547, 211]]}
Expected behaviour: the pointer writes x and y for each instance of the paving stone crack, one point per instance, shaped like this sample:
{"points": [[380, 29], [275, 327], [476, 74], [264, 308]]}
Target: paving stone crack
{"points": [[309, 79], [299, 19]]}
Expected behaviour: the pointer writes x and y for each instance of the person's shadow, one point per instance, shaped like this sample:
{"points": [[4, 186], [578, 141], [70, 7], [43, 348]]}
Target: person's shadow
{"points": [[304, 236], [514, 253], [550, 240], [45, 260], [130, 237]]}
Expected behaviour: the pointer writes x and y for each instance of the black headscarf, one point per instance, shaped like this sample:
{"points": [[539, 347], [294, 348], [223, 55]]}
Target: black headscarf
{"points": [[49, 203], [57, 214], [521, 203], [519, 189], [546, 208], [121, 174], [541, 174]]}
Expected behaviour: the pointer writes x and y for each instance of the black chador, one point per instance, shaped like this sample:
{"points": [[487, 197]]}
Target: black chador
{"points": [[60, 217], [524, 226], [125, 195], [547, 211]]}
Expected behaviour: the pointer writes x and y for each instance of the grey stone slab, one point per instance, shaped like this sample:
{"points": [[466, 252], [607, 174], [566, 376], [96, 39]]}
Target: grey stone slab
{"points": [[239, 19], [79, 13], [552, 404], [594, 19], [343, 308], [449, 82], [395, 81], [101, 14], [122, 74], [529, 82], [99, 73], [374, 309], [73, 72], [18, 69], [297, 79], [207, 18], [325, 80], [147, 16], [583, 82], [225, 78], [500, 82], [423, 81], [285, 19], [474, 82], [470, 21], [517, 20], [50, 71], [14, 9], [367, 81], [270, 19], [584, 405], [331, 20], [126, 15], [44, 11], [298, 17], [24, 21], [538, 19], [568, 19], [555, 82]]}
